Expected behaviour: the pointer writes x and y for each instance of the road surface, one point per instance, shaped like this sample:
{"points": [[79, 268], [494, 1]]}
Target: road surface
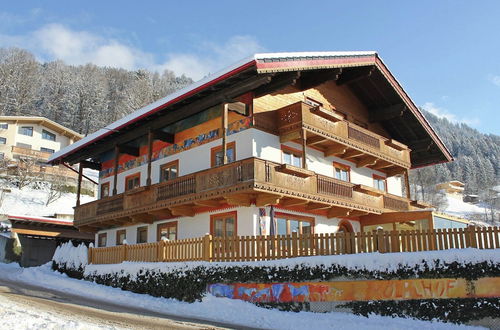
{"points": [[106, 315]]}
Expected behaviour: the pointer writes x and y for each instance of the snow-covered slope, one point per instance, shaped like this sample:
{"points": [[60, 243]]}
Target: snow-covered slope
{"points": [[29, 201]]}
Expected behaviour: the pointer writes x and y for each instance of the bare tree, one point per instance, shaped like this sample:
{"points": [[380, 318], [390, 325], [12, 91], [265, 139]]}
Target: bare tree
{"points": [[26, 171], [55, 186]]}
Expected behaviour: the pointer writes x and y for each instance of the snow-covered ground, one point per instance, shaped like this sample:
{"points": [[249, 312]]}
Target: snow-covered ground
{"points": [[29, 201], [21, 316], [462, 209], [211, 308]]}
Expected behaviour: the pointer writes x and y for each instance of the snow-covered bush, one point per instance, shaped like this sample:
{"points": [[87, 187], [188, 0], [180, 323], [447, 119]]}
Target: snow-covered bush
{"points": [[68, 258]]}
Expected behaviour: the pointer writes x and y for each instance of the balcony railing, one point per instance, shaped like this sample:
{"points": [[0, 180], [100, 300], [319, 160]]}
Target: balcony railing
{"points": [[337, 131], [250, 177], [31, 153]]}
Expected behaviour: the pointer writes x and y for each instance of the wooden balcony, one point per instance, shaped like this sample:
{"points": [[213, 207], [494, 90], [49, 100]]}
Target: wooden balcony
{"points": [[329, 132], [242, 183], [25, 152]]}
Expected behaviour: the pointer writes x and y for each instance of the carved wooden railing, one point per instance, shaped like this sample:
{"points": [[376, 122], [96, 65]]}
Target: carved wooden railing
{"points": [[396, 203], [294, 117], [248, 175]]}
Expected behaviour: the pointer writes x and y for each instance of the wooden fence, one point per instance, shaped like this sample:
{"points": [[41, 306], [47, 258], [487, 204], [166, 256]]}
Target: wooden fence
{"points": [[253, 248]]}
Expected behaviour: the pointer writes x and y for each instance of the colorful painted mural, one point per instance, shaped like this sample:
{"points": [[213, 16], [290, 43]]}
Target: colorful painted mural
{"points": [[359, 290], [185, 140]]}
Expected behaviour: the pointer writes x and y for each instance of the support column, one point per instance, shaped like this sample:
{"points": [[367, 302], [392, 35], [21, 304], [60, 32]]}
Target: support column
{"points": [[304, 145], [407, 184], [115, 178], [150, 156], [79, 188], [225, 108]]}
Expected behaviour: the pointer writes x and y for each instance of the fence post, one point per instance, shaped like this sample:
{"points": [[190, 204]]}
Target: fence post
{"points": [[472, 235], [124, 252], [207, 247], [380, 241], [89, 255]]}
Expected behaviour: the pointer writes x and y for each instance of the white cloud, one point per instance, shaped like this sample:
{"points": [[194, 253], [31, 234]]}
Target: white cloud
{"points": [[443, 113], [56, 41], [495, 80], [214, 57]]}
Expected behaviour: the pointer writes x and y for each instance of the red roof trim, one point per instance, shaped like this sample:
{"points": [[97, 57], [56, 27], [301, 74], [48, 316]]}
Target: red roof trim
{"points": [[177, 99], [66, 223]]}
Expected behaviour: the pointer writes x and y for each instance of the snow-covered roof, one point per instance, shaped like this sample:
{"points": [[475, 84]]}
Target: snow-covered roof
{"points": [[40, 219], [263, 62], [45, 122]]}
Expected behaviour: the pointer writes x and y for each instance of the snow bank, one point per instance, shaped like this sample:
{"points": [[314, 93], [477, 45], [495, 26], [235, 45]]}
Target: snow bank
{"points": [[70, 256], [238, 313], [383, 262]]}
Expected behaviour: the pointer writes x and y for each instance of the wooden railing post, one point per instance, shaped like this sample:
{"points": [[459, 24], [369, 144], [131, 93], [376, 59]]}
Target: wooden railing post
{"points": [[89, 256], [124, 247], [472, 234], [207, 247], [380, 240]]}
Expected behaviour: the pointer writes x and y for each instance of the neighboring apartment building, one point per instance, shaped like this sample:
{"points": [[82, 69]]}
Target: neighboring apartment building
{"points": [[323, 141], [33, 136], [36, 139]]}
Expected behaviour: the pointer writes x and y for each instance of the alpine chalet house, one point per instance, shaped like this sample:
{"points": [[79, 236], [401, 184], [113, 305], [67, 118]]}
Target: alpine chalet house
{"points": [[322, 142]]}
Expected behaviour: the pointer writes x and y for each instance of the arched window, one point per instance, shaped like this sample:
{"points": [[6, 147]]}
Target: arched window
{"points": [[345, 227]]}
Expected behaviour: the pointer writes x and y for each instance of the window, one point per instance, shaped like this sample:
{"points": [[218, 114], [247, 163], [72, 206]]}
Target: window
{"points": [[102, 240], [379, 183], [48, 136], [142, 234], [167, 230], [132, 181], [290, 223], [216, 158], [105, 189], [47, 150], [345, 227], [4, 126], [169, 171], [23, 145], [121, 236], [341, 172], [26, 130], [223, 224], [3, 140], [291, 156]]}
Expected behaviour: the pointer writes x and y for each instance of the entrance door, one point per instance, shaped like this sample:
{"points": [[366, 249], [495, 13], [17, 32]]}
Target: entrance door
{"points": [[167, 230]]}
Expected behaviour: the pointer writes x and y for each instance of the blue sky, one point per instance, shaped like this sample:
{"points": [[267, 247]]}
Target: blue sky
{"points": [[445, 53]]}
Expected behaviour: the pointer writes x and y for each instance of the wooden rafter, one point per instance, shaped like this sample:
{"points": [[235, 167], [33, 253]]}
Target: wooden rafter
{"points": [[285, 202], [208, 203], [317, 206], [336, 212], [336, 150], [264, 199], [183, 210], [366, 161], [239, 199]]}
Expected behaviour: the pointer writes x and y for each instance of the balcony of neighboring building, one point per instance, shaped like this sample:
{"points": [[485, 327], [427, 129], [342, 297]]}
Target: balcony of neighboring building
{"points": [[241, 183], [328, 131]]}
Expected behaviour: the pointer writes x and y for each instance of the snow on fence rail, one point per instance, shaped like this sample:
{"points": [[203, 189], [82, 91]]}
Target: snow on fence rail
{"points": [[253, 248]]}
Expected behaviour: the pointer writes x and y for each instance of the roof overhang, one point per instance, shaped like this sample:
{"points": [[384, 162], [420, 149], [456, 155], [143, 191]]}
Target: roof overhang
{"points": [[376, 87]]}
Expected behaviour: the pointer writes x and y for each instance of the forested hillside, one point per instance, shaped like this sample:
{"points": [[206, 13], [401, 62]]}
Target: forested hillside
{"points": [[83, 98]]}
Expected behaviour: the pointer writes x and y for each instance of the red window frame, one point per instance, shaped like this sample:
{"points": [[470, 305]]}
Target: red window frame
{"points": [[132, 177], [214, 150], [224, 215]]}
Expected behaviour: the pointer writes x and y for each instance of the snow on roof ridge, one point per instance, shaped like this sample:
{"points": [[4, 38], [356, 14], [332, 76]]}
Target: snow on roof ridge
{"points": [[181, 92]]}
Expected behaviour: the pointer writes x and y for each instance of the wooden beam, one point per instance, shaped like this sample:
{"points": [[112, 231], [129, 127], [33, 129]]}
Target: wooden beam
{"points": [[264, 199], [303, 137], [115, 173], [354, 75], [384, 114], [239, 199], [150, 157], [317, 206], [357, 213], [92, 165], [208, 203], [225, 108], [184, 210], [367, 161], [422, 145], [290, 136], [161, 214], [317, 77], [395, 171], [278, 82], [336, 212], [129, 150], [285, 202], [164, 136], [381, 164], [407, 183], [79, 187], [336, 150], [351, 154], [143, 217], [173, 115], [316, 140]]}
